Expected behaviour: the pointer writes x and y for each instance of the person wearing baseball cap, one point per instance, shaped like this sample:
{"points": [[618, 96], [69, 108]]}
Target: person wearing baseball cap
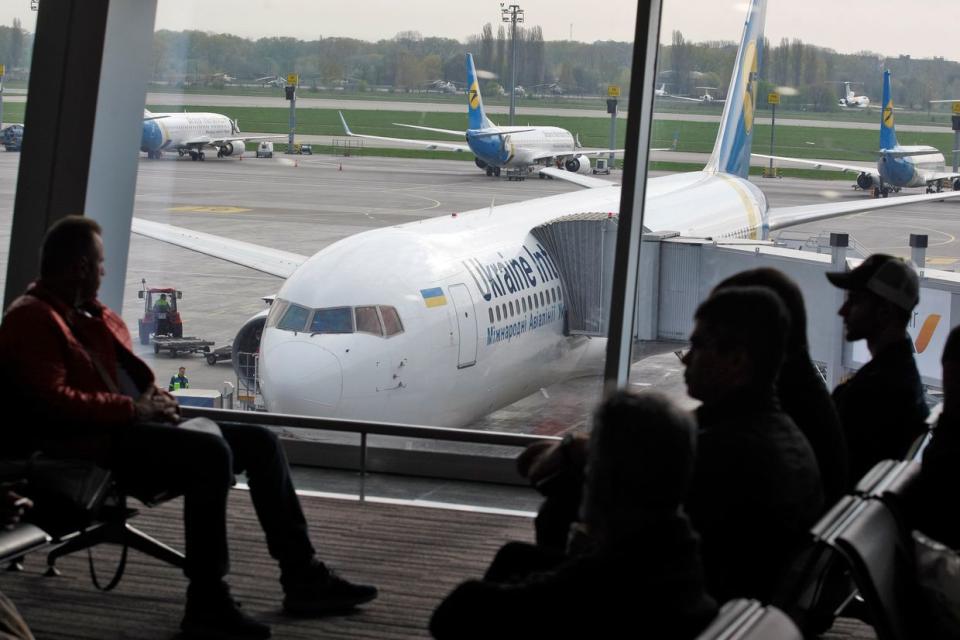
{"points": [[882, 407]]}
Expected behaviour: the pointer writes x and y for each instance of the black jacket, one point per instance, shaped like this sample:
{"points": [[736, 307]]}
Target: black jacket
{"points": [[756, 492], [936, 495], [882, 408]]}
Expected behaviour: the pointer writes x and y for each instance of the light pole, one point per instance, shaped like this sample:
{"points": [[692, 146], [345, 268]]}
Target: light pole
{"points": [[512, 14]]}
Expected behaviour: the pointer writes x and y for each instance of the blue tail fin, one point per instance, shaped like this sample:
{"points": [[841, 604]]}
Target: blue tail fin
{"points": [[476, 118], [888, 134], [731, 151]]}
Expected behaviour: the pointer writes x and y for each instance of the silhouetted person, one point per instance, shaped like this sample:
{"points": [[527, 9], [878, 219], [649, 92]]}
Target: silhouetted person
{"points": [[801, 389], [93, 398], [882, 407], [939, 485], [756, 489], [633, 568]]}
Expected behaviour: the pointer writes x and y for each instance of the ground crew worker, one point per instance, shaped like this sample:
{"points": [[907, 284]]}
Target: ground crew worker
{"points": [[179, 381], [162, 305]]}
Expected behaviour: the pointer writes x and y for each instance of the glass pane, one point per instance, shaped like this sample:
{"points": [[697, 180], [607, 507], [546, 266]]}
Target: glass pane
{"points": [[391, 321], [16, 50], [294, 319], [277, 309], [368, 321], [332, 321]]}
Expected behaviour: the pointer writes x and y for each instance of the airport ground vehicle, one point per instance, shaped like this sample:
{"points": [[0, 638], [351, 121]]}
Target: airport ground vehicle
{"points": [[12, 137], [265, 149], [220, 353], [177, 346], [160, 314]]}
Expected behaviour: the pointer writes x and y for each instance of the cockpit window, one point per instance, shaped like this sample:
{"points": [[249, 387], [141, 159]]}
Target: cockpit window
{"points": [[332, 320], [391, 321], [276, 311], [294, 319], [368, 321]]}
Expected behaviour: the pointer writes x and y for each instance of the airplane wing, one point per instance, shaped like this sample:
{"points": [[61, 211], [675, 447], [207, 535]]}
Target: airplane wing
{"points": [[941, 175], [271, 261], [683, 98], [447, 131], [818, 164], [427, 144], [223, 141], [780, 217], [596, 152], [577, 178]]}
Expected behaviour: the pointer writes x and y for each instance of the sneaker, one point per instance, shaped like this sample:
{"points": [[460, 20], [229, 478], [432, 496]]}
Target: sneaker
{"points": [[316, 590], [213, 615]]}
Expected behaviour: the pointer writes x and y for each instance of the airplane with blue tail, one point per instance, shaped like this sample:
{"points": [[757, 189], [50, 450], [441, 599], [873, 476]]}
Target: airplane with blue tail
{"points": [[495, 148], [192, 133], [443, 320], [898, 166]]}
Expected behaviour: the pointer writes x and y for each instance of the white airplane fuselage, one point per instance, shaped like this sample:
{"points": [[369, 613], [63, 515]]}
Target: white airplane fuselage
{"points": [[498, 333], [177, 131], [519, 146]]}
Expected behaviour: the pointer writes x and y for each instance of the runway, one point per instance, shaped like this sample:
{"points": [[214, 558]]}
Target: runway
{"points": [[306, 206]]}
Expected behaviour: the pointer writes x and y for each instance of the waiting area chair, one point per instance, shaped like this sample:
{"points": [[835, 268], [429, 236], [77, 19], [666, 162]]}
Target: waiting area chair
{"points": [[750, 620]]}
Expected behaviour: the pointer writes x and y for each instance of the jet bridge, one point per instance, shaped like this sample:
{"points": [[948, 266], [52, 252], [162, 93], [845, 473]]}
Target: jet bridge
{"points": [[677, 273], [583, 245]]}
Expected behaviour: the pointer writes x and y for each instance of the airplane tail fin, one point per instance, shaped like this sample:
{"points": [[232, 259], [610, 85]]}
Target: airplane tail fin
{"points": [[888, 133], [731, 151], [476, 117]]}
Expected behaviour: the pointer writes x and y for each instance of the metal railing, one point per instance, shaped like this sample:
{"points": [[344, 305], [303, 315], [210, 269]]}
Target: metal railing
{"points": [[366, 429]]}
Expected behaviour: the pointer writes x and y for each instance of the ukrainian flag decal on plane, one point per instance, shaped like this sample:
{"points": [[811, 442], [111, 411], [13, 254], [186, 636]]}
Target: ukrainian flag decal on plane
{"points": [[433, 297]]}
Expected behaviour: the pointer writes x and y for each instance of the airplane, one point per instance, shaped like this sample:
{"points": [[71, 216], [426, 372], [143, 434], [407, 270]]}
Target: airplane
{"points": [[850, 100], [272, 81], [898, 166], [443, 86], [706, 98], [662, 91], [443, 320], [495, 148], [191, 133]]}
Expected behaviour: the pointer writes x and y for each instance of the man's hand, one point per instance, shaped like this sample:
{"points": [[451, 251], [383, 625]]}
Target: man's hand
{"points": [[156, 405], [12, 507]]}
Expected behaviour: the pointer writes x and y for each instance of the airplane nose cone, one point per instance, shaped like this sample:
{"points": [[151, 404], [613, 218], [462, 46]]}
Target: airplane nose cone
{"points": [[302, 378]]}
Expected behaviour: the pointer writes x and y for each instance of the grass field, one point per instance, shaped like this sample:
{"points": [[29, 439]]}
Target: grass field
{"points": [[804, 142]]}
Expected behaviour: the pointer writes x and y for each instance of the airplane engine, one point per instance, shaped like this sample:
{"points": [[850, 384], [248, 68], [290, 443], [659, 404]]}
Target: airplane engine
{"points": [[233, 148], [866, 182], [246, 342], [580, 164], [480, 163]]}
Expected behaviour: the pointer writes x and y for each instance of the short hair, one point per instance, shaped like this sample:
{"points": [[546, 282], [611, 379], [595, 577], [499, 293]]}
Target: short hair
{"points": [[750, 318], [788, 292], [951, 350], [641, 458], [68, 240]]}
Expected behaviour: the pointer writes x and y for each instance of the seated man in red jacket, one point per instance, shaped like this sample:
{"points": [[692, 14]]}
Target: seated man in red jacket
{"points": [[72, 361]]}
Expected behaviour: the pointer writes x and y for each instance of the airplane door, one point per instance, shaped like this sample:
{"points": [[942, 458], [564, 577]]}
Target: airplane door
{"points": [[466, 324]]}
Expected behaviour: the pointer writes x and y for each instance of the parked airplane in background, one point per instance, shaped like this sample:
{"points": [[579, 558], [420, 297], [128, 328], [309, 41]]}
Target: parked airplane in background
{"points": [[897, 166], [191, 133], [443, 86], [661, 92], [706, 98], [444, 320], [850, 100], [272, 81], [495, 148]]}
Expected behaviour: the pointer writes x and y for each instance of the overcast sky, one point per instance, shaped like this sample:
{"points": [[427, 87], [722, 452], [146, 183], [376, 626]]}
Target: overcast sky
{"points": [[922, 28]]}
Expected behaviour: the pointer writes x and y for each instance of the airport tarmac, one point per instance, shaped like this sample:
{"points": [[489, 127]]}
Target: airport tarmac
{"points": [[306, 204]]}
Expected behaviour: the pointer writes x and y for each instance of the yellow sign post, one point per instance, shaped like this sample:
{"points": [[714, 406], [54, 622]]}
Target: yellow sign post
{"points": [[613, 91], [2, 70], [292, 79], [955, 107], [773, 98]]}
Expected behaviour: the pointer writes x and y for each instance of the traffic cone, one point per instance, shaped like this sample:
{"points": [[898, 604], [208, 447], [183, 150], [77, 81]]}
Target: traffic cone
{"points": [[341, 167]]}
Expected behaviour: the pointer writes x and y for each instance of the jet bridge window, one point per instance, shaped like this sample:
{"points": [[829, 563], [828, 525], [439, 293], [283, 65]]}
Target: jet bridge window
{"points": [[294, 318], [332, 320], [368, 321]]}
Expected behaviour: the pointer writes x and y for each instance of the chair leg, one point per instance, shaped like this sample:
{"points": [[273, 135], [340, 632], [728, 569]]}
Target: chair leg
{"points": [[88, 538], [152, 547]]}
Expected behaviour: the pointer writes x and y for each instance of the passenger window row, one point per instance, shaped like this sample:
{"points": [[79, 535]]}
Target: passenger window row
{"points": [[379, 320], [531, 302]]}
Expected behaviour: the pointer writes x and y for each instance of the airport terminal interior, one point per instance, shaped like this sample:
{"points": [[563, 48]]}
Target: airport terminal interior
{"points": [[412, 242]]}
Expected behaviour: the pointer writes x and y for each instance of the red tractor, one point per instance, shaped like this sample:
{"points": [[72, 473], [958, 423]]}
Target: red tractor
{"points": [[160, 315]]}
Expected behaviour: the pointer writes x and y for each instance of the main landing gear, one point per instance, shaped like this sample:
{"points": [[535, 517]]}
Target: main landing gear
{"points": [[493, 171], [197, 155]]}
